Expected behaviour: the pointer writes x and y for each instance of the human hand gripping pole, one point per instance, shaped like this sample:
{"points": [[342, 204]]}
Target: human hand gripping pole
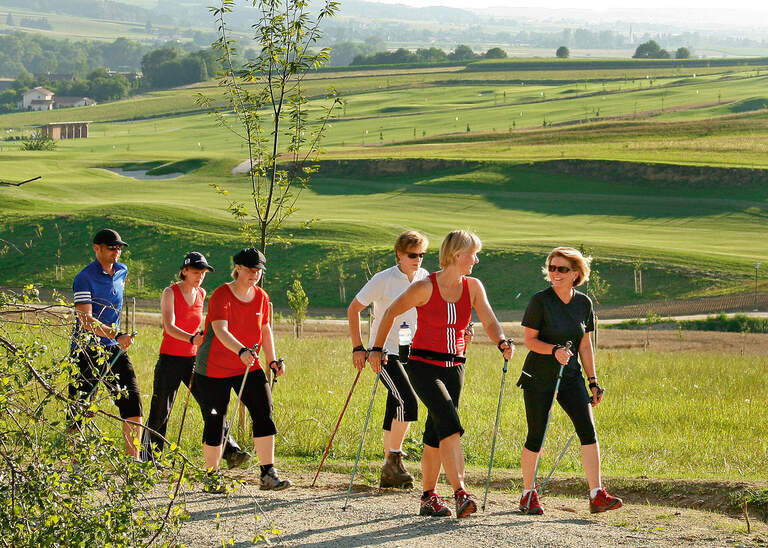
{"points": [[510, 342], [568, 347]]}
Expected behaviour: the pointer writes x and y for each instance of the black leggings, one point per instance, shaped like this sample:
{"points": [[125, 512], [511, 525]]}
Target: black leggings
{"points": [[401, 400], [574, 400], [213, 396], [439, 388], [170, 372], [119, 378]]}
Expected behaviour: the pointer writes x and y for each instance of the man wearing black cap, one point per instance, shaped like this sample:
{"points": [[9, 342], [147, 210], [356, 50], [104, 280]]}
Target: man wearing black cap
{"points": [[181, 307], [98, 346]]}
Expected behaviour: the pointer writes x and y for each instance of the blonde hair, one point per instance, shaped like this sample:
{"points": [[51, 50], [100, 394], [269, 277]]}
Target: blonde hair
{"points": [[578, 262], [456, 242]]}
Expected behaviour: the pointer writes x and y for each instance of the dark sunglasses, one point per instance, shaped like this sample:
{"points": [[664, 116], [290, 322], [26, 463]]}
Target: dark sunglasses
{"points": [[415, 255], [560, 269], [116, 247]]}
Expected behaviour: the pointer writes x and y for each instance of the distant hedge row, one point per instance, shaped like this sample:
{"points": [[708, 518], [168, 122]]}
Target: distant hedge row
{"points": [[738, 323], [587, 64]]}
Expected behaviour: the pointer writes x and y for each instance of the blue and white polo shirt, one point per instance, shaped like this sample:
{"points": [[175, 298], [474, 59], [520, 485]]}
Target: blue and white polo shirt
{"points": [[103, 292]]}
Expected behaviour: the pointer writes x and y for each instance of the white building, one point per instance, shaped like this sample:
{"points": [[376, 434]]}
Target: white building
{"points": [[37, 99]]}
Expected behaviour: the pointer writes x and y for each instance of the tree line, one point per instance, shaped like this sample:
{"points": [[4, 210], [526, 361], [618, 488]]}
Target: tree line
{"points": [[426, 55]]}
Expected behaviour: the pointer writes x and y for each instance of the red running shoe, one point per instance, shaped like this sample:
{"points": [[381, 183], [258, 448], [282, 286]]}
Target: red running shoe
{"points": [[433, 506], [535, 508], [465, 503], [602, 502]]}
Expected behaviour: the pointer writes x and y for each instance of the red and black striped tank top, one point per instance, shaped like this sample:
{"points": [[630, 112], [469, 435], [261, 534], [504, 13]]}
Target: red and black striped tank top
{"points": [[441, 325]]}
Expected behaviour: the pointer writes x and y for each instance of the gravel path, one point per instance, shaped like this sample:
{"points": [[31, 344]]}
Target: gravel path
{"points": [[314, 517]]}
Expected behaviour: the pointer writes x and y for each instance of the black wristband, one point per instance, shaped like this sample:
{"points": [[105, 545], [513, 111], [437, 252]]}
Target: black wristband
{"points": [[244, 349], [593, 384], [378, 349], [556, 348], [592, 378], [359, 348]]}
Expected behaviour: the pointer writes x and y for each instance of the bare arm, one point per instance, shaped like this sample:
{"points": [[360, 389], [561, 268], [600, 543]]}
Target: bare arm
{"points": [[353, 316], [221, 330], [485, 313], [167, 311], [587, 355], [417, 294], [84, 314], [534, 344]]}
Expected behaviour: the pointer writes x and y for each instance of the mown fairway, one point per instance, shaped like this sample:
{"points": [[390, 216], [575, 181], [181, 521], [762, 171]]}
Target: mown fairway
{"points": [[693, 238], [665, 415]]}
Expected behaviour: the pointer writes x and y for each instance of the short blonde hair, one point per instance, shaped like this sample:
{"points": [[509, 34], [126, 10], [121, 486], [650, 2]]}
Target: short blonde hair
{"points": [[578, 262], [456, 242], [410, 238]]}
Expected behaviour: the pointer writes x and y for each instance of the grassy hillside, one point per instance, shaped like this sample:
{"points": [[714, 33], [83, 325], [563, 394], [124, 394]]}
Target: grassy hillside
{"points": [[695, 238]]}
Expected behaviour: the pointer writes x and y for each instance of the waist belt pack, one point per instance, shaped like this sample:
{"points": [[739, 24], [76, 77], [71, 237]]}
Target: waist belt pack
{"points": [[437, 356]]}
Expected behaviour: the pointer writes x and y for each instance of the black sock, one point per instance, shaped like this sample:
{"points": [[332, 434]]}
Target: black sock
{"points": [[425, 495], [265, 469]]}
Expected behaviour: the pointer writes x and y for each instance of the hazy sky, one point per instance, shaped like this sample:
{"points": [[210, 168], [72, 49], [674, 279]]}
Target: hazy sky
{"points": [[747, 5]]}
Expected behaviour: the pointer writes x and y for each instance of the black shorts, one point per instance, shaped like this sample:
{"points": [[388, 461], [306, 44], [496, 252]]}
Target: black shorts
{"points": [[119, 378], [402, 404], [439, 388], [573, 398], [213, 396]]}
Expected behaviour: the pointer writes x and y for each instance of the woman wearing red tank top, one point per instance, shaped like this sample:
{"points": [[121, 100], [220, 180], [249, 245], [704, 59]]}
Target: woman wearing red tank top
{"points": [[181, 307], [444, 303]]}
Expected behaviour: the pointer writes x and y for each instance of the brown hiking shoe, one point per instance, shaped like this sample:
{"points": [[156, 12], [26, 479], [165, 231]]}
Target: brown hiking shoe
{"points": [[394, 474]]}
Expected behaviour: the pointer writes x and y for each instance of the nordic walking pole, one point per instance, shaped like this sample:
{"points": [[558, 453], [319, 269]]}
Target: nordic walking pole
{"points": [[362, 439], [510, 341], [559, 458], [255, 353], [568, 346], [343, 410]]}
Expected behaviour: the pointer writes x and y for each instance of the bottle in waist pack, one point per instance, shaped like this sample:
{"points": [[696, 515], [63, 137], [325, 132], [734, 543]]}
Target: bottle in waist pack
{"points": [[404, 341]]}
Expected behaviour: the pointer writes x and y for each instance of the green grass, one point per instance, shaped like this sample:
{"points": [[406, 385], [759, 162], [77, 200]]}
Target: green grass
{"points": [[512, 207], [665, 415], [738, 323], [694, 237]]}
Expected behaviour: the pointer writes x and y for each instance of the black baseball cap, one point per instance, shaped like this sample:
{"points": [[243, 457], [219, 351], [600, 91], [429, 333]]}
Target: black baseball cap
{"points": [[195, 259], [107, 236], [250, 257]]}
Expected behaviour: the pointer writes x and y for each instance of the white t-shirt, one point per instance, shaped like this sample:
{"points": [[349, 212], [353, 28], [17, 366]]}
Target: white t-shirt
{"points": [[383, 288]]}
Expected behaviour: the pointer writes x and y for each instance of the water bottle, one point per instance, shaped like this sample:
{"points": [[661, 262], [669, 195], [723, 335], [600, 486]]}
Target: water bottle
{"points": [[404, 341]]}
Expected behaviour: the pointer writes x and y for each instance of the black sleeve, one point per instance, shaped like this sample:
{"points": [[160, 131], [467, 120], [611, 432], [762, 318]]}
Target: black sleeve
{"points": [[589, 321], [534, 314]]}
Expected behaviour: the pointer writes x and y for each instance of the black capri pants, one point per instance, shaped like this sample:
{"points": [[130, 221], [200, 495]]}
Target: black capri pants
{"points": [[573, 398], [120, 379], [439, 388], [213, 396], [401, 399]]}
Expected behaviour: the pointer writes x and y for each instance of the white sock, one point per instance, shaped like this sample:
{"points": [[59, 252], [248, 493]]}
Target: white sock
{"points": [[593, 492], [526, 491]]}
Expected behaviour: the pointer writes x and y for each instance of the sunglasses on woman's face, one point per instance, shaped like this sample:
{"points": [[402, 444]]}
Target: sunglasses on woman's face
{"points": [[415, 255], [560, 269]]}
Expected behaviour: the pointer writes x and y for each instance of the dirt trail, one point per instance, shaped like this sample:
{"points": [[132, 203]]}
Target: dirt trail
{"points": [[314, 517]]}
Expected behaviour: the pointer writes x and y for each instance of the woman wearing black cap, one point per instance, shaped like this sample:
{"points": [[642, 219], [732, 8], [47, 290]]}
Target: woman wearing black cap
{"points": [[181, 307], [236, 328]]}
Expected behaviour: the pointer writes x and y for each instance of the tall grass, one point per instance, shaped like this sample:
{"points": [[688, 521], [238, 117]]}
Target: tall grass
{"points": [[665, 415]]}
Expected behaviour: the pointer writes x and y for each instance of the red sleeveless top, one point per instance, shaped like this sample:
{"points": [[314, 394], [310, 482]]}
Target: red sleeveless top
{"points": [[186, 318], [441, 325]]}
